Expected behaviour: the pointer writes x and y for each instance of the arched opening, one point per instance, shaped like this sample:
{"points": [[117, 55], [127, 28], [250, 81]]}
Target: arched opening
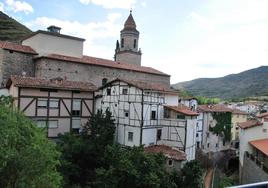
{"points": [[135, 43], [122, 43]]}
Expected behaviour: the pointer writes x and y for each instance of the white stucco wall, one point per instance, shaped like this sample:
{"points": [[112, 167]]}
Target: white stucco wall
{"points": [[45, 44], [250, 134]]}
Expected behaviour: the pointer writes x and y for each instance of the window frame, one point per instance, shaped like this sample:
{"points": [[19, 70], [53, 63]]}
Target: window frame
{"points": [[130, 136]]}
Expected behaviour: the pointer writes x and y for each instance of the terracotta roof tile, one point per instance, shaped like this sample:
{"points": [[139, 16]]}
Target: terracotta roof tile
{"points": [[167, 151], [249, 124], [57, 83], [105, 63], [261, 145], [130, 24], [237, 111], [53, 34], [262, 115], [183, 109], [17, 47], [142, 85], [214, 108]]}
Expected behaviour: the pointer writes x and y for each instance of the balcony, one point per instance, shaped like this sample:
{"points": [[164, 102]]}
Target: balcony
{"points": [[257, 161]]}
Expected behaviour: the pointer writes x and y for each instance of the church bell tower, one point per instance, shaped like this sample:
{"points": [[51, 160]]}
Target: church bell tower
{"points": [[127, 50]]}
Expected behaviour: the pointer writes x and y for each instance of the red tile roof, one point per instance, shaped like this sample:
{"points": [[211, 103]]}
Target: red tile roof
{"points": [[183, 110], [105, 63], [261, 145], [57, 83], [167, 151], [143, 85], [54, 34], [237, 111], [130, 24], [249, 124], [262, 115], [214, 108], [17, 47]]}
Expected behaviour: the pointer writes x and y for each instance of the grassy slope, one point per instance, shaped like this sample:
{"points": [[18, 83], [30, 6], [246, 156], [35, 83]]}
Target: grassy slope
{"points": [[11, 30]]}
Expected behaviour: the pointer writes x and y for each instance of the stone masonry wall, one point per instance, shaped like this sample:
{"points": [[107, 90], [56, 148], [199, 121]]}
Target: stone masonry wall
{"points": [[129, 57], [14, 63], [251, 172], [48, 68]]}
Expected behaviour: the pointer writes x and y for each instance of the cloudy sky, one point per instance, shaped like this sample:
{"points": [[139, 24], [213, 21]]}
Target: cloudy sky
{"points": [[187, 39]]}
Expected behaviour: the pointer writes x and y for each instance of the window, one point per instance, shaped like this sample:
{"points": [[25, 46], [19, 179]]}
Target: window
{"points": [[76, 107], [208, 135], [223, 142], [217, 145], [126, 113], [196, 135], [153, 114], [166, 113], [124, 91], [104, 81], [170, 162], [42, 103], [122, 43], [130, 136], [264, 130], [179, 116], [135, 43], [41, 123], [108, 90], [197, 145], [54, 103], [53, 124], [159, 134], [76, 124], [207, 145]]}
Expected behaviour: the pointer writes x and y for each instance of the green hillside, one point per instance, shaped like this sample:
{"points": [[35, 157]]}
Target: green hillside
{"points": [[11, 30], [253, 82]]}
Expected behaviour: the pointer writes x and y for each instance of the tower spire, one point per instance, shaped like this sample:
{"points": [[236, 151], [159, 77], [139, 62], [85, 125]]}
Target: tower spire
{"points": [[128, 50]]}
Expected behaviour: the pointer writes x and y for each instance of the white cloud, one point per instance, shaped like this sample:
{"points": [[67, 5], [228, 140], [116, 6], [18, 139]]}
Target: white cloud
{"points": [[2, 7], [220, 38], [92, 32], [19, 6], [144, 4], [110, 4]]}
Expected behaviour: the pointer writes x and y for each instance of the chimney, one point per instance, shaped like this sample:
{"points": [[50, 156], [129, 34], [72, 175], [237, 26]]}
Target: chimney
{"points": [[54, 29]]}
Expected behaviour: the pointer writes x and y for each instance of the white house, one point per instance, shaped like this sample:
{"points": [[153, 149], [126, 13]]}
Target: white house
{"points": [[212, 142], [138, 109], [253, 157]]}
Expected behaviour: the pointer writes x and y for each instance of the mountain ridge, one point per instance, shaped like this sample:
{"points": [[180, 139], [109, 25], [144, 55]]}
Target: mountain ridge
{"points": [[12, 30], [252, 82]]}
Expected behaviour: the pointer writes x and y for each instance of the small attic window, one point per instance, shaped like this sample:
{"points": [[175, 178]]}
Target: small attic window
{"points": [[104, 81], [11, 51]]}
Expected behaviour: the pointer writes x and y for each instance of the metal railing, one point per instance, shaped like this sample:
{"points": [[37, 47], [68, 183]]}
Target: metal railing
{"points": [[253, 185]]}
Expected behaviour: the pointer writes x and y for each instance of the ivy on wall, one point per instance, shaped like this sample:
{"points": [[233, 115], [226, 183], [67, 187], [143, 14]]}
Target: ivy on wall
{"points": [[223, 124]]}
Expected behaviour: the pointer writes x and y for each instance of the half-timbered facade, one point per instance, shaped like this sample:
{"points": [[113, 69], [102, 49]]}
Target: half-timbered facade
{"points": [[138, 109], [56, 104]]}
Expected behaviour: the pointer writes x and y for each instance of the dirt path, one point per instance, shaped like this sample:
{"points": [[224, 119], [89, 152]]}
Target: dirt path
{"points": [[208, 178]]}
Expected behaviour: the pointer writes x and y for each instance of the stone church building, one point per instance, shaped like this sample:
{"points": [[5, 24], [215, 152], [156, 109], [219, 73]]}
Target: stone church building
{"points": [[49, 54]]}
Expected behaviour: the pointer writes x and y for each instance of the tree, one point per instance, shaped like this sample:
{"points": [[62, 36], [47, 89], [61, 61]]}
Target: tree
{"points": [[27, 157], [82, 154], [131, 167], [192, 174]]}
